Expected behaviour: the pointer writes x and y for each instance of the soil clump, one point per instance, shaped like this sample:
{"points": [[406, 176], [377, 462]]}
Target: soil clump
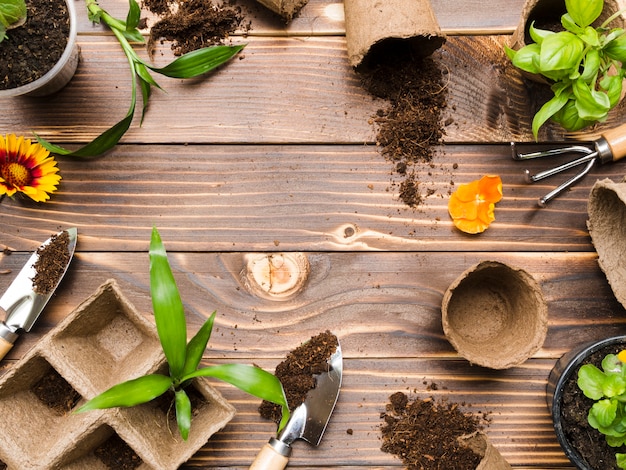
{"points": [[51, 263], [118, 455], [54, 392], [297, 372], [411, 126], [192, 24], [32, 49], [423, 433], [589, 442]]}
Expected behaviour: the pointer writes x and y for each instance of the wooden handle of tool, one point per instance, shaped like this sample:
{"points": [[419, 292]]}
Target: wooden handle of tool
{"points": [[616, 138], [269, 459], [5, 347]]}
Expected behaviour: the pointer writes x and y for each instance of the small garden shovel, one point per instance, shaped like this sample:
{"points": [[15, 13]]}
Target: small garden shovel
{"points": [[308, 421]]}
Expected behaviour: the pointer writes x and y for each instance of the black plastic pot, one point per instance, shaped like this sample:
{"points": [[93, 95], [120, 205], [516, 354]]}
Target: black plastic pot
{"points": [[567, 365]]}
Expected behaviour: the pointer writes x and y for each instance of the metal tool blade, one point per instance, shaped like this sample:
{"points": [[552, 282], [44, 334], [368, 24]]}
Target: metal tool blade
{"points": [[21, 301], [309, 420]]}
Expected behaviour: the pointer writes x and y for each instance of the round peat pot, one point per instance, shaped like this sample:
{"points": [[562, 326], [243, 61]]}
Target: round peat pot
{"points": [[560, 374], [495, 315]]}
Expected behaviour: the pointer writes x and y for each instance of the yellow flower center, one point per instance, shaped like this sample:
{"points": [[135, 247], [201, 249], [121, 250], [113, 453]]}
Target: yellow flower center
{"points": [[16, 174]]}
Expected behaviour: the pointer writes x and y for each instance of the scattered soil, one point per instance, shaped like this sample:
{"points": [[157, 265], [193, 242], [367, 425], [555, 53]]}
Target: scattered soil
{"points": [[424, 433], [192, 24], [589, 442], [116, 454], [297, 372], [32, 49], [54, 392], [411, 127], [51, 264]]}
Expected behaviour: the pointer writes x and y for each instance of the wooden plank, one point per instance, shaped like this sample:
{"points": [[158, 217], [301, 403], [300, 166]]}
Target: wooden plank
{"points": [[326, 17], [295, 198], [385, 309]]}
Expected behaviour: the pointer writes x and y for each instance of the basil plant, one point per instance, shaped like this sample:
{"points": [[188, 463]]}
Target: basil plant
{"points": [[583, 63], [183, 358], [12, 15], [192, 64]]}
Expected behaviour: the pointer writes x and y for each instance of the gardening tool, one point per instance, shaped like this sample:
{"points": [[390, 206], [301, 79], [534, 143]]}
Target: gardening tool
{"points": [[23, 301], [610, 147], [308, 421]]}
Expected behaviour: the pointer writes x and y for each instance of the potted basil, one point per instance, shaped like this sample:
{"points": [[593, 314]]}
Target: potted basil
{"points": [[584, 394], [38, 49]]}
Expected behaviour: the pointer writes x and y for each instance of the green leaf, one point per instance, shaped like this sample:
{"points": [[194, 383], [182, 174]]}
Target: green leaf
{"points": [[591, 105], [197, 62], [568, 117], [611, 364], [183, 413], [613, 386], [12, 13], [537, 34], [527, 58], [169, 313], [133, 16], [584, 12], [591, 64], [616, 49], [561, 51], [590, 380], [197, 346], [612, 85], [590, 37], [250, 379], [603, 413], [130, 393], [547, 111], [621, 460], [570, 25]]}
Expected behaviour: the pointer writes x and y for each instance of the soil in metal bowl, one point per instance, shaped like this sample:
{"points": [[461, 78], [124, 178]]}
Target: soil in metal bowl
{"points": [[34, 48]]}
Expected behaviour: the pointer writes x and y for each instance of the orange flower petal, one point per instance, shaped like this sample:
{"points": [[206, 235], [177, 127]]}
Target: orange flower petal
{"points": [[472, 205], [490, 188]]}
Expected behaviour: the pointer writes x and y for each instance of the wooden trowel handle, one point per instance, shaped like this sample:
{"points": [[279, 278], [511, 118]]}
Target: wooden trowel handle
{"points": [[5, 347], [616, 139], [269, 458]]}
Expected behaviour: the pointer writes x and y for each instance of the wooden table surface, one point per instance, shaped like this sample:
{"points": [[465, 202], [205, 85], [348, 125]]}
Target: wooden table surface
{"points": [[276, 153]]}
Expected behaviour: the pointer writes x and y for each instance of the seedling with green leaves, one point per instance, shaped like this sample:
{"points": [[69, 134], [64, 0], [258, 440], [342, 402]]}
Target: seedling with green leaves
{"points": [[607, 387], [12, 15], [189, 65], [583, 63], [183, 358]]}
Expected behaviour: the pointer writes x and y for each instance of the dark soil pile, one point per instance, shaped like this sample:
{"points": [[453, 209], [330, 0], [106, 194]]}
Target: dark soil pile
{"points": [[54, 392], [410, 128], [424, 434], [589, 442], [32, 49], [192, 24], [51, 263], [118, 455], [297, 372]]}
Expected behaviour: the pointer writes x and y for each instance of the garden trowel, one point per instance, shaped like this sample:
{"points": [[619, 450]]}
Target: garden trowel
{"points": [[27, 296], [308, 421]]}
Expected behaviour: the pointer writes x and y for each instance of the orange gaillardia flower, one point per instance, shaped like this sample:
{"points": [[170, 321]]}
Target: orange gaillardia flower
{"points": [[472, 205], [26, 168]]}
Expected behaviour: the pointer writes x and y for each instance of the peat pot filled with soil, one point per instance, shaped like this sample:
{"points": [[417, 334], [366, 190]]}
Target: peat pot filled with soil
{"points": [[583, 445], [40, 57]]}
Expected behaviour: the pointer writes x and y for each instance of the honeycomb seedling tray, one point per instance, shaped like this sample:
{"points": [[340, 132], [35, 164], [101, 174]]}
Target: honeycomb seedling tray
{"points": [[103, 342]]}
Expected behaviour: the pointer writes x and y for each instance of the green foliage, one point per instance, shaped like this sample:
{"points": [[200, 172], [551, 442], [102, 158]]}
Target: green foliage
{"points": [[183, 358], [189, 65], [607, 387], [12, 15], [584, 64]]}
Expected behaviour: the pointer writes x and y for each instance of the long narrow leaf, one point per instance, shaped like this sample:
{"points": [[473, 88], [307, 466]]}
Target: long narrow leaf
{"points": [[197, 62], [169, 313], [183, 413], [197, 346], [130, 393], [250, 379], [134, 13]]}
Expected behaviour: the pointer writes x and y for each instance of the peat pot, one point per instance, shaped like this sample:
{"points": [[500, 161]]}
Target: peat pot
{"points": [[495, 315], [61, 73], [563, 377], [103, 342]]}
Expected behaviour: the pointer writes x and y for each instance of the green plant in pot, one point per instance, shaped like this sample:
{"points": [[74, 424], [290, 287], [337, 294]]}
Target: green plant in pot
{"points": [[607, 387], [583, 63], [183, 358]]}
